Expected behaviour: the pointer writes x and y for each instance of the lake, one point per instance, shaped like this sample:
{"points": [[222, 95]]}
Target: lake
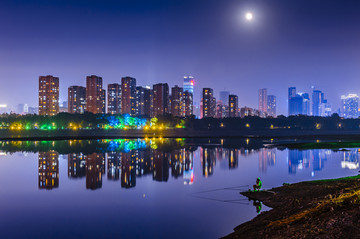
{"points": [[142, 188]]}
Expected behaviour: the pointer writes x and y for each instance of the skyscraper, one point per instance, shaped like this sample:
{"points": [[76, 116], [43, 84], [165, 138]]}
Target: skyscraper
{"points": [[271, 105], [48, 95], [209, 103], [224, 97], [296, 105], [76, 99], [160, 99], [317, 99], [114, 99], [128, 95], [188, 103], [350, 106], [233, 106], [95, 95], [291, 92], [306, 103], [263, 100], [177, 102], [188, 84]]}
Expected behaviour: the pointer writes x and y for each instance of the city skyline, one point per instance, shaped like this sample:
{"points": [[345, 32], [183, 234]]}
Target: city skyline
{"points": [[266, 52]]}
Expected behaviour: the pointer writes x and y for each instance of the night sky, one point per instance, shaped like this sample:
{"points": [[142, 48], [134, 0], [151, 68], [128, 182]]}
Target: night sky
{"points": [[300, 43]]}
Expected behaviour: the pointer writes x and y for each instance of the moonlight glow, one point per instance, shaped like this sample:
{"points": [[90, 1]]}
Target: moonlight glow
{"points": [[249, 16]]}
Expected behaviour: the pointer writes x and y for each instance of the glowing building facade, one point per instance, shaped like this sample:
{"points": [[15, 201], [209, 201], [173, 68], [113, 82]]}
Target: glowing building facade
{"points": [[114, 99], [76, 99], [95, 95], [48, 95], [128, 95]]}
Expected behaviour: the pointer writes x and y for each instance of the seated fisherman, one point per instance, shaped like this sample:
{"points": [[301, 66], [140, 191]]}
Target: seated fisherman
{"points": [[258, 184]]}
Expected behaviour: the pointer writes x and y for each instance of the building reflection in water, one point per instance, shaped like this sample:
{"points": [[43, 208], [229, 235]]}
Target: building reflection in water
{"points": [[95, 168], [114, 166], [177, 162], [48, 170], [350, 159], [160, 166], [298, 159], [76, 165], [128, 171], [188, 167], [208, 160], [267, 157], [233, 158], [126, 161], [302, 159]]}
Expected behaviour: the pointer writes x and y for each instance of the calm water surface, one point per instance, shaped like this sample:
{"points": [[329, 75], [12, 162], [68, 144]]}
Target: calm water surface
{"points": [[146, 188]]}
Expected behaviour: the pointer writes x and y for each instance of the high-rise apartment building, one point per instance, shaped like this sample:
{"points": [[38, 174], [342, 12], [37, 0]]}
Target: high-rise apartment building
{"points": [[48, 95], [209, 103], [128, 95], [95, 95], [263, 100], [76, 99], [271, 105], [148, 101], [160, 99], [233, 106], [177, 101], [114, 99], [140, 100]]}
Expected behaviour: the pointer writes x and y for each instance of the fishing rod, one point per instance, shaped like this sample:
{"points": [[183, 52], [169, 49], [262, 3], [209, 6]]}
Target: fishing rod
{"points": [[220, 189]]}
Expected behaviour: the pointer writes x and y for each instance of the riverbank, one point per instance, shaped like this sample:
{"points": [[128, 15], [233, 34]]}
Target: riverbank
{"points": [[314, 209], [63, 134]]}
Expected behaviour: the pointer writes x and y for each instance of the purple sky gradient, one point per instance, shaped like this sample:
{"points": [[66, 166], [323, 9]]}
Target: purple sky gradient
{"points": [[290, 43]]}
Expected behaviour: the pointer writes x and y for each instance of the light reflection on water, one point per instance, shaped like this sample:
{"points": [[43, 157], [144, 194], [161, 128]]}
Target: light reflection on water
{"points": [[146, 188]]}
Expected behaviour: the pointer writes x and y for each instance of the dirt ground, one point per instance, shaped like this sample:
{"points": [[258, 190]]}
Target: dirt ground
{"points": [[314, 209]]}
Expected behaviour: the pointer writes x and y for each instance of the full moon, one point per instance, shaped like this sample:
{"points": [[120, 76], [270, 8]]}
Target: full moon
{"points": [[249, 16]]}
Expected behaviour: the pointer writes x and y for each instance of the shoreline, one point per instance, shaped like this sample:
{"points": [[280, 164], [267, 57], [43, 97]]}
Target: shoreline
{"points": [[316, 209], [32, 135]]}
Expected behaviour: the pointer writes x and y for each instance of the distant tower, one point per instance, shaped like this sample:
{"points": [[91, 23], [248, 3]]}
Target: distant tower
{"points": [[160, 99], [350, 106], [317, 100], [233, 106], [188, 84], [95, 95], [224, 97], [271, 105], [76, 99], [128, 95], [209, 103], [263, 100], [48, 95], [291, 92]]}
